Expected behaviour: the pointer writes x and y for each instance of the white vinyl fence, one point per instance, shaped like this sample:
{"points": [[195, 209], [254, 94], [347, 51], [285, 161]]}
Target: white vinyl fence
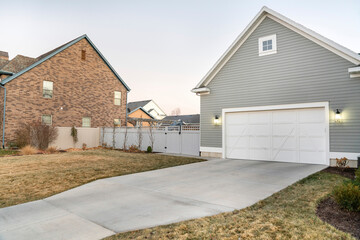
{"points": [[88, 136], [172, 139]]}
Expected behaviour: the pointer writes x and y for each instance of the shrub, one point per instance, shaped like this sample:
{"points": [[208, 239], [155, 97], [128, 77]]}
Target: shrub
{"points": [[133, 148], [74, 134], [51, 150], [28, 150], [84, 146], [36, 134], [347, 196], [357, 177], [149, 149], [342, 163]]}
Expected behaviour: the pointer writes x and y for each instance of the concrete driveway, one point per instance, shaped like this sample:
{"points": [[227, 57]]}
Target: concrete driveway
{"points": [[143, 200]]}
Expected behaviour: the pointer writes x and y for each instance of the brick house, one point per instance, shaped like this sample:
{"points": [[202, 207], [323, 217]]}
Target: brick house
{"points": [[72, 85]]}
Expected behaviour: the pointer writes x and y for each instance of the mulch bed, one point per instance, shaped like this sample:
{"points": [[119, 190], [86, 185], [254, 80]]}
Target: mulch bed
{"points": [[329, 211], [347, 172]]}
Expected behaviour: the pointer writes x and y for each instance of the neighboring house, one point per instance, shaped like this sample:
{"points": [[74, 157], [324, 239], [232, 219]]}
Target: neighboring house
{"points": [[150, 107], [281, 92], [72, 85], [138, 117], [181, 120]]}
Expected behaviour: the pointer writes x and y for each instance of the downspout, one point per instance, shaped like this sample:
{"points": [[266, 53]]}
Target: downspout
{"points": [[126, 110], [3, 130]]}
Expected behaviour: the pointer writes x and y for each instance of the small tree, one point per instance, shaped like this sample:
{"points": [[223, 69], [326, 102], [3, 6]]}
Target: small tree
{"points": [[151, 136], [125, 138], [139, 136], [74, 134]]}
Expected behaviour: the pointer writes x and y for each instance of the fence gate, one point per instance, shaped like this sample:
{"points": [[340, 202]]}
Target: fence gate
{"points": [[171, 139]]}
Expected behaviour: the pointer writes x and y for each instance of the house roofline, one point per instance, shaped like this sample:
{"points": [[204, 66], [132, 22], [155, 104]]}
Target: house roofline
{"points": [[142, 109], [264, 12], [8, 79]]}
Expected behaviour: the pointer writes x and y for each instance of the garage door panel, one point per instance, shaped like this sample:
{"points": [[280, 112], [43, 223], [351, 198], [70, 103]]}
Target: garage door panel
{"points": [[284, 142], [314, 115], [284, 116], [285, 156], [258, 130], [238, 141], [312, 157], [283, 129], [312, 144], [260, 142], [293, 135], [258, 117], [312, 130]]}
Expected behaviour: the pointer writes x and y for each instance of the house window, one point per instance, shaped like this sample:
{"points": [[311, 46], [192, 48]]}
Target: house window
{"points": [[117, 122], [267, 45], [86, 122], [83, 55], [47, 89], [46, 119], [117, 98]]}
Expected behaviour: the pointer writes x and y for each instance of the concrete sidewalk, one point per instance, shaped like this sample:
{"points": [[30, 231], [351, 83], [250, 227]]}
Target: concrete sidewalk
{"points": [[105, 207]]}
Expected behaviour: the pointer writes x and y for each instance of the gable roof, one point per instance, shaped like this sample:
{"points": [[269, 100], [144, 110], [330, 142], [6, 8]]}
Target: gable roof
{"points": [[134, 105], [140, 108], [48, 55], [267, 12], [193, 118], [18, 63]]}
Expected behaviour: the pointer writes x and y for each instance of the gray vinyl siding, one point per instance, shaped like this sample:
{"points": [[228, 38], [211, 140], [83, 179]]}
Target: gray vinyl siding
{"points": [[300, 72]]}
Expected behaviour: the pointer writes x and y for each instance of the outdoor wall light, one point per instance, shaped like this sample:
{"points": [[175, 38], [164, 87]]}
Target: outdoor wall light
{"points": [[337, 116], [216, 120]]}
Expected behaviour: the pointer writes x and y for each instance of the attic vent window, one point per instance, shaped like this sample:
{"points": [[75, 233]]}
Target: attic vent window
{"points": [[267, 45], [83, 54]]}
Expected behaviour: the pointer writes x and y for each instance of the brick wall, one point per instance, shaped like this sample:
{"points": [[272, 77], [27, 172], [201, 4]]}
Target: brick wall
{"points": [[82, 88]]}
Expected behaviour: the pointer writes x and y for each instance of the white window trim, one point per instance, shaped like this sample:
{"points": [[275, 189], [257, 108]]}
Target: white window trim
{"points": [[50, 119], [117, 98], [82, 122], [274, 45]]}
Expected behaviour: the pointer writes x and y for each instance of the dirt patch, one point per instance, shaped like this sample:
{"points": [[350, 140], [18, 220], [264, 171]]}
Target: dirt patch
{"points": [[347, 172], [329, 211]]}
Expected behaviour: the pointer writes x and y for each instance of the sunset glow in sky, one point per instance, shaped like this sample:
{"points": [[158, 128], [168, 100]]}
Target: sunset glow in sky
{"points": [[162, 48]]}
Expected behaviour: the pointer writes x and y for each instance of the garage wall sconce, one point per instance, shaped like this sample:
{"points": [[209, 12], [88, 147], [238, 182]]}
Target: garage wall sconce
{"points": [[217, 120], [338, 117]]}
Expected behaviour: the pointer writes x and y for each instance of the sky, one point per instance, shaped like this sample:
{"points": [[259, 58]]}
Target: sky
{"points": [[162, 48]]}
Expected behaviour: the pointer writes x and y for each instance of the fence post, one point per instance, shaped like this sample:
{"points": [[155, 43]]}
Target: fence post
{"points": [[114, 137]]}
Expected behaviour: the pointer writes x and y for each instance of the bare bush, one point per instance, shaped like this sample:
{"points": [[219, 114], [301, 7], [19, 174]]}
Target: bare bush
{"points": [[139, 137], [36, 134], [151, 136], [28, 150]]}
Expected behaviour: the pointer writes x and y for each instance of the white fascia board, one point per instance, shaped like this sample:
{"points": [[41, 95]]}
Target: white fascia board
{"points": [[201, 90], [267, 12], [354, 70]]}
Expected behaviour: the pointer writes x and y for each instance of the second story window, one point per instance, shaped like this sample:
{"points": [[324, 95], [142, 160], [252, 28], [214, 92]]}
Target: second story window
{"points": [[117, 98], [267, 45], [47, 89]]}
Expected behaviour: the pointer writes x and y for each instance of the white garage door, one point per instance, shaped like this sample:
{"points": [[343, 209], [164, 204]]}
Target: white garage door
{"points": [[294, 135]]}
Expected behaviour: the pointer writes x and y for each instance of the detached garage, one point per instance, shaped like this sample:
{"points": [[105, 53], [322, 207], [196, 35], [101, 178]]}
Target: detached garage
{"points": [[293, 133], [281, 92]]}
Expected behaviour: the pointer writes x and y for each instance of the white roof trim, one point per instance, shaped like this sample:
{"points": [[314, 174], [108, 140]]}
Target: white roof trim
{"points": [[267, 12], [354, 70], [201, 90]]}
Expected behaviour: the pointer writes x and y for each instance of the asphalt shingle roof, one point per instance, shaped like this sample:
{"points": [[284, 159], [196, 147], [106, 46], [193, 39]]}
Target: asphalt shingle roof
{"points": [[193, 118], [134, 105]]}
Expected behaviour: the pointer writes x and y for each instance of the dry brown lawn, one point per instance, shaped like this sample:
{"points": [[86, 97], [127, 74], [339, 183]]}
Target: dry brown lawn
{"points": [[28, 178], [288, 214]]}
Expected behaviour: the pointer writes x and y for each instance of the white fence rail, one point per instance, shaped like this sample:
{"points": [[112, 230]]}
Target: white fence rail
{"points": [[172, 139]]}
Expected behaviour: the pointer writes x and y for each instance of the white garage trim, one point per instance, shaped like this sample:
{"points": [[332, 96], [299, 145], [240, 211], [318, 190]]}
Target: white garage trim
{"points": [[211, 149], [324, 105], [350, 156]]}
